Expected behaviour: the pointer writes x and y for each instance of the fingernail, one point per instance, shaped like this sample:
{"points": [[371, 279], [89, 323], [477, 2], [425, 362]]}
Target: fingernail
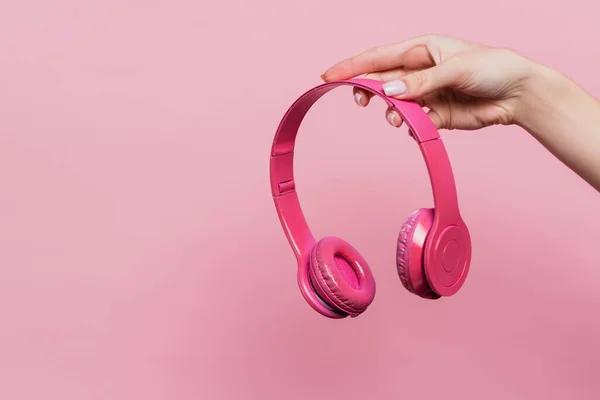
{"points": [[394, 88], [391, 117], [357, 98]]}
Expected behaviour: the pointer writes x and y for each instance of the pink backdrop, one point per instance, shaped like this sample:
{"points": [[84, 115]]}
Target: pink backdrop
{"points": [[140, 251]]}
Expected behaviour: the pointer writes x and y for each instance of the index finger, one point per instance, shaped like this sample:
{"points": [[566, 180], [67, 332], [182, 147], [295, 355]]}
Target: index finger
{"points": [[375, 59]]}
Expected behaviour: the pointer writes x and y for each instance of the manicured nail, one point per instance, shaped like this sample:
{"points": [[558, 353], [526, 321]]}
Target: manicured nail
{"points": [[357, 98], [394, 88], [391, 118]]}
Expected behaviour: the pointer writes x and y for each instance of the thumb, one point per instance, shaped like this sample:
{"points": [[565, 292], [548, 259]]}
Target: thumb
{"points": [[449, 74]]}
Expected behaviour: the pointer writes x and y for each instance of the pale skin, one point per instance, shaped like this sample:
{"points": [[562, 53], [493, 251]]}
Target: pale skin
{"points": [[467, 86]]}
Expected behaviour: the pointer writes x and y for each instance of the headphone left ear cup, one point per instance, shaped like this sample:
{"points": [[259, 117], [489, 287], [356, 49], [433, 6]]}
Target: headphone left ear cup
{"points": [[341, 276], [409, 253]]}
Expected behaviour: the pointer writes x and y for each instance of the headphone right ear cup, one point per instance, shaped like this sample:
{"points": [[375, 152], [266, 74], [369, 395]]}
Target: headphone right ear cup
{"points": [[409, 253], [341, 276]]}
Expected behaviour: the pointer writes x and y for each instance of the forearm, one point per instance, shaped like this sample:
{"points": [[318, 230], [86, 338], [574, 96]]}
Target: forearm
{"points": [[565, 119]]}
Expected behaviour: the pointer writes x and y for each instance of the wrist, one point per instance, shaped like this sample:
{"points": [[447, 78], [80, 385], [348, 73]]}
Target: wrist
{"points": [[564, 118], [540, 97]]}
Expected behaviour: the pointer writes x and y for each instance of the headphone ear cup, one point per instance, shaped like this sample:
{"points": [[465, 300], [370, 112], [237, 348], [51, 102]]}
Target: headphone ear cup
{"points": [[340, 276], [409, 253]]}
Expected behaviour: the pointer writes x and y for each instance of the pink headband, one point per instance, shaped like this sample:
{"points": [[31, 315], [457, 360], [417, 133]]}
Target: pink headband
{"points": [[443, 255]]}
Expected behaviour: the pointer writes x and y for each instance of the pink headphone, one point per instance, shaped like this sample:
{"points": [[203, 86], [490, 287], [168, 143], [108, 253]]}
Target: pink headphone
{"points": [[434, 245]]}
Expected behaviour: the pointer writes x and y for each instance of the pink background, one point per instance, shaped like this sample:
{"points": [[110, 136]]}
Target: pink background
{"points": [[140, 251]]}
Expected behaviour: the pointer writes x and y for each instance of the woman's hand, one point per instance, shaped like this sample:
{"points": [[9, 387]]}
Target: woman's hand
{"points": [[464, 85], [468, 86]]}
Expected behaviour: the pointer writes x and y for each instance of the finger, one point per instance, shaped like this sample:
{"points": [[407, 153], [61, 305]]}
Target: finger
{"points": [[437, 119], [421, 102], [438, 109], [450, 74], [363, 97], [393, 118], [375, 59], [418, 57], [434, 52], [396, 119], [389, 75], [437, 116]]}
